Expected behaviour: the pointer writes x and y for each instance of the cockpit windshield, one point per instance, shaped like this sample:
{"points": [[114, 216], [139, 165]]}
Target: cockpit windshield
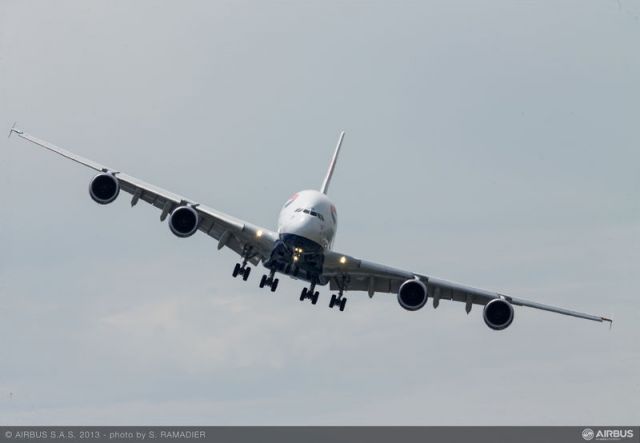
{"points": [[311, 212]]}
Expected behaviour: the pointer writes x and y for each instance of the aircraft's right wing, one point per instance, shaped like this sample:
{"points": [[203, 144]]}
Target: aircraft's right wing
{"points": [[353, 274], [238, 235]]}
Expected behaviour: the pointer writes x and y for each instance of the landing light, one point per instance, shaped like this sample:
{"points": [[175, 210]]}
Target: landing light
{"points": [[343, 259], [259, 233]]}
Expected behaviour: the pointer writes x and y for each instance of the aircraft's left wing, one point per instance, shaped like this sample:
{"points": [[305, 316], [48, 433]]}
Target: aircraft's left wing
{"points": [[242, 237], [353, 274]]}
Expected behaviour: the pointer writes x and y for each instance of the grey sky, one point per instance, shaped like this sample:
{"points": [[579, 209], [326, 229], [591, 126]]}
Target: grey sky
{"points": [[490, 143]]}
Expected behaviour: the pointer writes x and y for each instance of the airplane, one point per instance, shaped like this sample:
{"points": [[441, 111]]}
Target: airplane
{"points": [[301, 247]]}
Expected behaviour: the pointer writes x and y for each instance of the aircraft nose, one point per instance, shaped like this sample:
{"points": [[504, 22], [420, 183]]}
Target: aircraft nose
{"points": [[302, 223]]}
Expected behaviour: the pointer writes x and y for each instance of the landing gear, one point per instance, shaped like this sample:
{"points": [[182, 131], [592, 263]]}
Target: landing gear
{"points": [[269, 281], [242, 270], [338, 300], [310, 293]]}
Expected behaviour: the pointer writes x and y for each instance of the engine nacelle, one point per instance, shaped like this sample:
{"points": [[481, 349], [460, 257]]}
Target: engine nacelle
{"points": [[104, 188], [184, 221], [498, 314], [412, 295]]}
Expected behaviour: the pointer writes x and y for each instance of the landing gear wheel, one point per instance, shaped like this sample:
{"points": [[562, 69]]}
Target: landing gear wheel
{"points": [[314, 298], [338, 300], [245, 274], [274, 285], [303, 294], [236, 270], [263, 280]]}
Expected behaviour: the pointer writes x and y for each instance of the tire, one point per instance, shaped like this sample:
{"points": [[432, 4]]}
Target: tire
{"points": [[274, 285], [343, 304], [236, 270], [314, 299], [303, 294], [332, 302], [263, 280], [246, 273]]}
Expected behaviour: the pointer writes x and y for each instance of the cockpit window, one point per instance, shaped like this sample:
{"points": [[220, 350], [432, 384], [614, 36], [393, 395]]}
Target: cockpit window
{"points": [[310, 212]]}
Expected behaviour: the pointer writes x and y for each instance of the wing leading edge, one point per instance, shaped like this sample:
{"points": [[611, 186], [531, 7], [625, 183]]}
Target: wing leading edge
{"points": [[242, 237], [352, 274]]}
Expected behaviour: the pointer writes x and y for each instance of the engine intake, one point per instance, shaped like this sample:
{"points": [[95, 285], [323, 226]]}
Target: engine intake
{"points": [[412, 295], [104, 188], [498, 314], [184, 221]]}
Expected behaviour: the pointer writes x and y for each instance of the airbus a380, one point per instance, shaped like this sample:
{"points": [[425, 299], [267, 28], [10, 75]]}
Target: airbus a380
{"points": [[301, 247]]}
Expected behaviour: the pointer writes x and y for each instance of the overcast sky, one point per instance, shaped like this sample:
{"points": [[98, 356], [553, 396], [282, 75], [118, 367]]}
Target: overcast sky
{"points": [[491, 143]]}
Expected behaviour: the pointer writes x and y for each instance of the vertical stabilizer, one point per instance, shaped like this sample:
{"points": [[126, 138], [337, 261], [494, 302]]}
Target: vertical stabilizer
{"points": [[332, 166]]}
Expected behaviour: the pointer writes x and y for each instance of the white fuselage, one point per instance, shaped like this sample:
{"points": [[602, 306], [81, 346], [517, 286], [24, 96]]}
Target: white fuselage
{"points": [[311, 215]]}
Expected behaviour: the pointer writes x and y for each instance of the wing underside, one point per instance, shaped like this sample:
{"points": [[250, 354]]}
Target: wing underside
{"points": [[352, 274], [242, 237]]}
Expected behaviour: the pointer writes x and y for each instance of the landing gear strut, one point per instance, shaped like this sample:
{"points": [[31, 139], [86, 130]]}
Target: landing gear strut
{"points": [[339, 299], [243, 269], [269, 281], [310, 293]]}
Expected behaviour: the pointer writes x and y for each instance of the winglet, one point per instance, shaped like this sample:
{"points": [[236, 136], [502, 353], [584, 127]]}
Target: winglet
{"points": [[609, 320], [14, 129], [332, 165]]}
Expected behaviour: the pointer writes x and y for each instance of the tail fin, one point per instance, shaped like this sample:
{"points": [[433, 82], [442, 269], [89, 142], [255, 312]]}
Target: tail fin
{"points": [[332, 166]]}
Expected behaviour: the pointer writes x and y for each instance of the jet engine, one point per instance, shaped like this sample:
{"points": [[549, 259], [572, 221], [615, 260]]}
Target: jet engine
{"points": [[498, 314], [184, 221], [412, 295], [104, 188]]}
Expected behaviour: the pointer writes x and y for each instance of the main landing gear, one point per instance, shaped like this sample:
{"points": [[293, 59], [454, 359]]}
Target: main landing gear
{"points": [[310, 293], [242, 269], [269, 281], [338, 300]]}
